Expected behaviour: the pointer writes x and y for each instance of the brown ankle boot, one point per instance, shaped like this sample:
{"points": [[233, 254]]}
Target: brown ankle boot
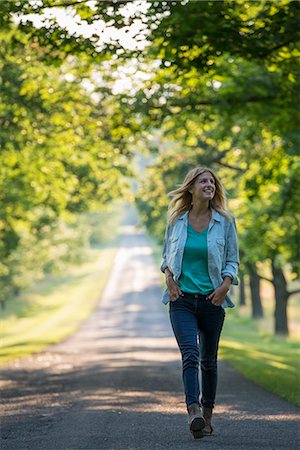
{"points": [[196, 420], [207, 413]]}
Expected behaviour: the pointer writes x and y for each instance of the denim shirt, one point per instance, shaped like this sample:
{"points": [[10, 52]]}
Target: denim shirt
{"points": [[222, 249]]}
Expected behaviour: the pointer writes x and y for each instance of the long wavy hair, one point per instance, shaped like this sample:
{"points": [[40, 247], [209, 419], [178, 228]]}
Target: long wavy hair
{"points": [[182, 198]]}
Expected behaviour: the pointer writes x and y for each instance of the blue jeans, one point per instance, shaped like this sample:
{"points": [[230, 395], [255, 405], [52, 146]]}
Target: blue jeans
{"points": [[197, 326]]}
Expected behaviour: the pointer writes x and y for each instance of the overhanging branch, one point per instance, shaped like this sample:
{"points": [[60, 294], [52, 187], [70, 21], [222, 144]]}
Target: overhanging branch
{"points": [[231, 167], [66, 3], [295, 291], [63, 4], [266, 279]]}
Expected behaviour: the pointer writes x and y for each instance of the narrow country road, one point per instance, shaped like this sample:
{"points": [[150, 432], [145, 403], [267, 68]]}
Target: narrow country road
{"points": [[116, 383]]}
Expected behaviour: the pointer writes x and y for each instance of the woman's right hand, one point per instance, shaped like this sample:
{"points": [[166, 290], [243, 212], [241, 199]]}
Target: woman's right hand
{"points": [[173, 289]]}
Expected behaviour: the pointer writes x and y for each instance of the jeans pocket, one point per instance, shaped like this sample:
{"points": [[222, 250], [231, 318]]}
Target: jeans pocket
{"points": [[215, 306], [176, 300]]}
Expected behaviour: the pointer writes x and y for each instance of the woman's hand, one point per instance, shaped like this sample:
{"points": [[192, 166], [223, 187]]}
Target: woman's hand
{"points": [[173, 289], [217, 297]]}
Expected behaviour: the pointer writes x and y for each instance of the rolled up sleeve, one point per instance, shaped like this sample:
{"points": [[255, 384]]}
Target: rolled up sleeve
{"points": [[232, 254], [165, 250]]}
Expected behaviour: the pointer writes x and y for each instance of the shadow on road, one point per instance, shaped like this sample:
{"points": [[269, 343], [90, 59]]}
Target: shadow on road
{"points": [[116, 383]]}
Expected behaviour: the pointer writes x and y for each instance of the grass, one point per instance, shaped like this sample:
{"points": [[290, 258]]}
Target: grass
{"points": [[54, 307], [250, 346], [270, 361]]}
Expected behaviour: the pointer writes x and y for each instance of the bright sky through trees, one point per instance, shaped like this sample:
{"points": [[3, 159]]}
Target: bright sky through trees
{"points": [[131, 37]]}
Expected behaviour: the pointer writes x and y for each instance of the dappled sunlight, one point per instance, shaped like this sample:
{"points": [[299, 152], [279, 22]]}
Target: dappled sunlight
{"points": [[233, 411], [279, 365], [130, 230], [270, 359], [133, 308], [121, 372], [133, 401], [232, 344], [106, 105]]}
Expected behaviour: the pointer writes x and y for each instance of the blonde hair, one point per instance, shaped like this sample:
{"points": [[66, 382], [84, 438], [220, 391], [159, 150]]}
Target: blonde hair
{"points": [[182, 198]]}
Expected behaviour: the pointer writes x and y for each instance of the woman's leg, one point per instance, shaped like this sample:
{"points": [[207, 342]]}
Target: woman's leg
{"points": [[185, 328], [210, 323]]}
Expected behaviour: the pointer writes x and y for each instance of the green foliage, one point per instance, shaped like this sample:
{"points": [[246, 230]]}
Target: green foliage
{"points": [[223, 92], [225, 96], [57, 160], [55, 247], [270, 213], [196, 33]]}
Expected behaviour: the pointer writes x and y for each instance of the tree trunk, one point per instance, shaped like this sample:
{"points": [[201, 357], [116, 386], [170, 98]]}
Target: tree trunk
{"points": [[242, 290], [256, 304], [281, 299]]}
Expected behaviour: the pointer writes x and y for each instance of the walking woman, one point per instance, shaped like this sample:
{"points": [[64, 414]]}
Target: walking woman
{"points": [[200, 261]]}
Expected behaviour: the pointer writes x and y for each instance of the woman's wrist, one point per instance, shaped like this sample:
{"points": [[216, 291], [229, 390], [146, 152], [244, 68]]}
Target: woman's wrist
{"points": [[226, 283], [168, 274]]}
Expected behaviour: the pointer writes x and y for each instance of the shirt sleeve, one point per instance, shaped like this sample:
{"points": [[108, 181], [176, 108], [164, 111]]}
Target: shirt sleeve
{"points": [[165, 249], [232, 254]]}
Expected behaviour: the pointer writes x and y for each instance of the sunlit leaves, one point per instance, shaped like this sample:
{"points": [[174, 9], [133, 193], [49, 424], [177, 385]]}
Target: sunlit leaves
{"points": [[57, 158], [244, 79]]}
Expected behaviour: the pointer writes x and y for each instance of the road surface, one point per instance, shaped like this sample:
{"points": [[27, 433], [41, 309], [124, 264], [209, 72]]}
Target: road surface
{"points": [[116, 383]]}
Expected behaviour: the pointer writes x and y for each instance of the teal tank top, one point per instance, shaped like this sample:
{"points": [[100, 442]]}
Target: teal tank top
{"points": [[194, 276]]}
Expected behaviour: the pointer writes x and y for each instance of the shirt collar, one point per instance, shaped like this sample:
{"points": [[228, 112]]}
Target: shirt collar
{"points": [[214, 215]]}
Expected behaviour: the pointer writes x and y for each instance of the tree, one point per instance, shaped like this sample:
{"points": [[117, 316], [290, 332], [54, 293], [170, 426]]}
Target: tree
{"points": [[271, 230], [243, 78], [224, 93], [57, 157]]}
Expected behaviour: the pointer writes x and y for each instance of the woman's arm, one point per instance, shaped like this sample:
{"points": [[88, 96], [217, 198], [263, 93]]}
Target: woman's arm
{"points": [[165, 247], [173, 288], [232, 254], [217, 297], [229, 272]]}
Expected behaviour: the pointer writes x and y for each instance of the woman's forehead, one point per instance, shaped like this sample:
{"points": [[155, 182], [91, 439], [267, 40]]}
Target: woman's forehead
{"points": [[205, 175]]}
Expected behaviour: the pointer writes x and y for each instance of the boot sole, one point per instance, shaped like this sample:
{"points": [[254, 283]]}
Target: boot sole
{"points": [[197, 426]]}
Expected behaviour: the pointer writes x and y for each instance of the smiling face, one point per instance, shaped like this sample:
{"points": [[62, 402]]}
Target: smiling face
{"points": [[204, 187]]}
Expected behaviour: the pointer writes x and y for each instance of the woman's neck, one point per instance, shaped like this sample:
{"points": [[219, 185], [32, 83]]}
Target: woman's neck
{"points": [[200, 209]]}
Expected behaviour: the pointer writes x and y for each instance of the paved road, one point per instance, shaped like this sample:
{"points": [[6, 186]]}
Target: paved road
{"points": [[116, 383]]}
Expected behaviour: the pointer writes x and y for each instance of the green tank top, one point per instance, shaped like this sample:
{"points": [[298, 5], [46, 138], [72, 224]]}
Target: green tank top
{"points": [[194, 272]]}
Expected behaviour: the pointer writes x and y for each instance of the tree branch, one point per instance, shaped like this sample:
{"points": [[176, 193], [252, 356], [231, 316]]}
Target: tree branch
{"points": [[266, 279], [66, 3], [63, 4], [231, 167], [254, 98], [276, 47], [295, 291]]}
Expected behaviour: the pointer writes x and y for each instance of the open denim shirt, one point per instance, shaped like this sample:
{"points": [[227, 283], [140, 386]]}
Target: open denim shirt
{"points": [[222, 249]]}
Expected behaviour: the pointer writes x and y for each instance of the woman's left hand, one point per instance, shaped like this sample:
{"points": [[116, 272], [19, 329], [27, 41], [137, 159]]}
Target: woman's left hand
{"points": [[217, 297]]}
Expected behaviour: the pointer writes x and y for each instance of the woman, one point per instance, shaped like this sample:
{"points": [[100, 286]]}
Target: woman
{"points": [[200, 261]]}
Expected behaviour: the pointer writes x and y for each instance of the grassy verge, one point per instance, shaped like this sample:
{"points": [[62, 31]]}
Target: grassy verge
{"points": [[270, 361], [250, 346], [54, 307]]}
